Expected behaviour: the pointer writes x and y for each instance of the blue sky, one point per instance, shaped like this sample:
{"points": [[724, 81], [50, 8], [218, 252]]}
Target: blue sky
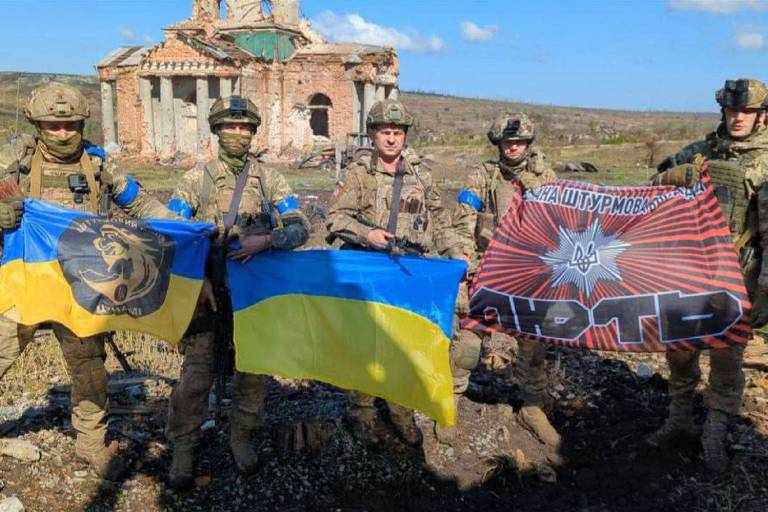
{"points": [[633, 54]]}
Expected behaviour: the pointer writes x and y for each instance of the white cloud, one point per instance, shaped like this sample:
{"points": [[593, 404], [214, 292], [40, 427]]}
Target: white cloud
{"points": [[472, 32], [131, 37], [749, 40], [718, 6], [354, 28]]}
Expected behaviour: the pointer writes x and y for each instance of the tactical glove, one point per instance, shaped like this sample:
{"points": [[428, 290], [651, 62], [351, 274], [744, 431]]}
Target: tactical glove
{"points": [[666, 164], [759, 315], [10, 213], [681, 176]]}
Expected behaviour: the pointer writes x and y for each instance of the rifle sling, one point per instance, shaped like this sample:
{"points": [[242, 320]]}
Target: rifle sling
{"points": [[234, 205], [397, 188]]}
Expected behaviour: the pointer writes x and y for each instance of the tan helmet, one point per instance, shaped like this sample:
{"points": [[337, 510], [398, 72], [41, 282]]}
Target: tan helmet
{"points": [[55, 101], [511, 126], [234, 109], [743, 93], [388, 112]]}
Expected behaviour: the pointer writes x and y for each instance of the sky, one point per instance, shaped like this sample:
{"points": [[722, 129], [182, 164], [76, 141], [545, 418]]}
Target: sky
{"points": [[622, 54]]}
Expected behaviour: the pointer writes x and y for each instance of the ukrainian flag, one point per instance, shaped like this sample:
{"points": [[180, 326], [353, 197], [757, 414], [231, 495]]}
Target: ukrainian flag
{"points": [[97, 274], [368, 321]]}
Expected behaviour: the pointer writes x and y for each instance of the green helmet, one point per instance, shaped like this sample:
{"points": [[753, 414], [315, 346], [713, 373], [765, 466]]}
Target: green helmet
{"points": [[514, 126], [743, 93], [55, 101], [234, 109], [388, 112]]}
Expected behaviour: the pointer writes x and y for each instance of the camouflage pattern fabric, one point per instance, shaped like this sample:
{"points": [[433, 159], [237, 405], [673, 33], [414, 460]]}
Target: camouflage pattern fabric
{"points": [[189, 200], [738, 171], [481, 205], [367, 194], [84, 356], [205, 195]]}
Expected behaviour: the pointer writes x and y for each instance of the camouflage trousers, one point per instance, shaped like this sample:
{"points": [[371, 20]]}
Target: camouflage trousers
{"points": [[84, 358], [398, 414], [726, 378], [530, 369], [188, 406]]}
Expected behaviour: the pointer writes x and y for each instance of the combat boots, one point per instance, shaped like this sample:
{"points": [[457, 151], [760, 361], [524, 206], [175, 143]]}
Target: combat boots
{"points": [[713, 441], [181, 474], [245, 456], [363, 423], [404, 423], [106, 464], [678, 424]]}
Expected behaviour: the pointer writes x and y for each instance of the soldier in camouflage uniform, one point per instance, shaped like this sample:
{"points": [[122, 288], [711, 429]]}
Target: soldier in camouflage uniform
{"points": [[480, 207], [359, 217], [278, 223], [44, 163], [735, 157]]}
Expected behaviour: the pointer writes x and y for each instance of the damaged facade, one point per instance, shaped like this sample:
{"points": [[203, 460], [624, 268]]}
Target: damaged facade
{"points": [[155, 99]]}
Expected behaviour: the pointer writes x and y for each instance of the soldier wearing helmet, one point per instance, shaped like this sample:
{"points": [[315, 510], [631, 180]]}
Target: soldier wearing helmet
{"points": [[361, 217], [44, 164], [735, 157], [481, 205], [268, 217]]}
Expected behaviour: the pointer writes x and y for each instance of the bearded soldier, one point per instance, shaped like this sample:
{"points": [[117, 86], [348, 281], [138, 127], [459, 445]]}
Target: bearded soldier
{"points": [[735, 157], [58, 165], [264, 215], [364, 215], [481, 205]]}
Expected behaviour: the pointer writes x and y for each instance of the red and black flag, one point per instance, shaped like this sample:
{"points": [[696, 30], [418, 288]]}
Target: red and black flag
{"points": [[613, 268]]}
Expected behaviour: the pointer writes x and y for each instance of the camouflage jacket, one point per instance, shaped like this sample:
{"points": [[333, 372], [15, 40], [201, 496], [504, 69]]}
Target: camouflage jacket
{"points": [[124, 191], [206, 194], [742, 167], [363, 201], [486, 197]]}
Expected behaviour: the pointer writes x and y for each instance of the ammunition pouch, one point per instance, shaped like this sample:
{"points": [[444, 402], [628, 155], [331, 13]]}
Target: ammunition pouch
{"points": [[732, 192]]}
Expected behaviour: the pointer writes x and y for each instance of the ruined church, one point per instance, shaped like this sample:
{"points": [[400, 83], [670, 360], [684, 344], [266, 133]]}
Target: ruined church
{"points": [[155, 99]]}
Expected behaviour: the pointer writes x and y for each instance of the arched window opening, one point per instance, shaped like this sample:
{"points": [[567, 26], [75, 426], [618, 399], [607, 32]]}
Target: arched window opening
{"points": [[319, 105]]}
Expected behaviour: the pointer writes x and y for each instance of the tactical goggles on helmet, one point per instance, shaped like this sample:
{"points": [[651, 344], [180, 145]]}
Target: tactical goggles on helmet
{"points": [[737, 94], [237, 111]]}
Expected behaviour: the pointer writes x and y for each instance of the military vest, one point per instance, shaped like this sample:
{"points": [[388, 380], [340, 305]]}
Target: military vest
{"points": [[51, 181], [218, 186], [733, 191], [414, 220]]}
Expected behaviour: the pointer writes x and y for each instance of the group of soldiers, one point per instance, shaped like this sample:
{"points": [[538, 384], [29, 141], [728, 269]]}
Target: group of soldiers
{"points": [[386, 194]]}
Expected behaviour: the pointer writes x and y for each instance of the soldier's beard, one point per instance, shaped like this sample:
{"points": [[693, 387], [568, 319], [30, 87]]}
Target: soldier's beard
{"points": [[61, 148]]}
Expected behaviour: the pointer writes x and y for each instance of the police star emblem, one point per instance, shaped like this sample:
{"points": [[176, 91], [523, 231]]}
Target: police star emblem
{"points": [[585, 257]]}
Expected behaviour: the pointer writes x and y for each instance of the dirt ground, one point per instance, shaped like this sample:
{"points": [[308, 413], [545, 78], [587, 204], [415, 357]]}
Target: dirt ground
{"points": [[606, 405]]}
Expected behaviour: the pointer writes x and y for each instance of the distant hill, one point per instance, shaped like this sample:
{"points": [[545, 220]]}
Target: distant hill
{"points": [[453, 120], [441, 119]]}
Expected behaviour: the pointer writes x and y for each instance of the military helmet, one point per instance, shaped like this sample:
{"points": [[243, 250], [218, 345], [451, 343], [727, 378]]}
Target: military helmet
{"points": [[388, 112], [513, 126], [743, 93], [234, 109], [55, 101]]}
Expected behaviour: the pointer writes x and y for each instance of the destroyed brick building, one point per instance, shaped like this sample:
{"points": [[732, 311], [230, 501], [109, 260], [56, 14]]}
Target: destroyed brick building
{"points": [[155, 99]]}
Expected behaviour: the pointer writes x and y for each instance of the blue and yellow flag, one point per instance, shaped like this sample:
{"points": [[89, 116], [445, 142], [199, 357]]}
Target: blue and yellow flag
{"points": [[96, 274], [368, 321]]}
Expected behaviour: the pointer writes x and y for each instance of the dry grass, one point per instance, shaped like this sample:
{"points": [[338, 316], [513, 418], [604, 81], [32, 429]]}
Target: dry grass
{"points": [[42, 365]]}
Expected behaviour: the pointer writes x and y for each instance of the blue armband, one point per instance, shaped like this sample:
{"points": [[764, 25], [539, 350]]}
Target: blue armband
{"points": [[179, 207], [468, 197], [287, 204], [128, 195], [96, 151]]}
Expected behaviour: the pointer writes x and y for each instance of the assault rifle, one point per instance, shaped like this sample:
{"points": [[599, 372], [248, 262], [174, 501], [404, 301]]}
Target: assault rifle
{"points": [[398, 245], [223, 326]]}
